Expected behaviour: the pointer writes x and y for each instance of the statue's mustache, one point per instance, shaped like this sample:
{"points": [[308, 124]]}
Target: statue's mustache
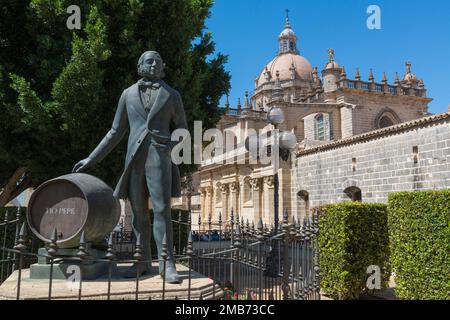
{"points": [[146, 70]]}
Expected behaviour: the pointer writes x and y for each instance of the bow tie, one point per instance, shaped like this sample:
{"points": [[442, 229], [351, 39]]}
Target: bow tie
{"points": [[149, 84]]}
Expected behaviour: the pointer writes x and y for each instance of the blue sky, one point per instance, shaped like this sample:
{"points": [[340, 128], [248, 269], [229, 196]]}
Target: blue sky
{"points": [[414, 30]]}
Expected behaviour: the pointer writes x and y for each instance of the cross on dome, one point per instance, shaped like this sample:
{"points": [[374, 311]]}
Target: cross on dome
{"points": [[287, 24]]}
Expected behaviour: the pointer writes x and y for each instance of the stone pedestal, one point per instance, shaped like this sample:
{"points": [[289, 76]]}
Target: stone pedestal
{"points": [[150, 287], [90, 270]]}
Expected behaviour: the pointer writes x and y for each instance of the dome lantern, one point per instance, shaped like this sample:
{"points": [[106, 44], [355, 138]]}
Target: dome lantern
{"points": [[287, 40]]}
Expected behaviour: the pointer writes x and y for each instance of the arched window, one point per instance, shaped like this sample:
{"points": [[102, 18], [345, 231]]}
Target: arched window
{"points": [[353, 193], [385, 122], [386, 118], [319, 126], [291, 46], [303, 204]]}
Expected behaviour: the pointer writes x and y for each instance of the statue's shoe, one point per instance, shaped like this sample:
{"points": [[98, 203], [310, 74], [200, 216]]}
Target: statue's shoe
{"points": [[131, 272], [171, 275]]}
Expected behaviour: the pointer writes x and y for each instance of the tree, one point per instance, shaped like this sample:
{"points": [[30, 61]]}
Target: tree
{"points": [[59, 88]]}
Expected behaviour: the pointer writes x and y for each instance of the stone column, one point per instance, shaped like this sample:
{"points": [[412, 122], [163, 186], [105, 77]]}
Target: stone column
{"points": [[257, 207], [225, 210], [209, 203], [268, 216], [234, 190], [202, 206]]}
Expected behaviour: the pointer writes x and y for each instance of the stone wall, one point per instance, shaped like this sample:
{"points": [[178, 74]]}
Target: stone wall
{"points": [[406, 157], [372, 104]]}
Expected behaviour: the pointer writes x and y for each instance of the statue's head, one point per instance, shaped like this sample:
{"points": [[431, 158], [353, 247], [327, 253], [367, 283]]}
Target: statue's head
{"points": [[151, 66]]}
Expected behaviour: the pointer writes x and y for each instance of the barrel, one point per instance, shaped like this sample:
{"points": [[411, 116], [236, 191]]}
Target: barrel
{"points": [[72, 204]]}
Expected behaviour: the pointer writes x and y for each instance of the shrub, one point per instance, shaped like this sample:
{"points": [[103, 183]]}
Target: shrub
{"points": [[352, 237], [419, 231]]}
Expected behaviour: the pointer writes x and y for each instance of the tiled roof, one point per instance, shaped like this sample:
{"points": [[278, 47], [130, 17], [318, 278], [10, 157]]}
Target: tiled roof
{"points": [[378, 133]]}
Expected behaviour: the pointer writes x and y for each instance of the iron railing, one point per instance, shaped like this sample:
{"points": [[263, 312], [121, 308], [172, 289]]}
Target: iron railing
{"points": [[243, 261]]}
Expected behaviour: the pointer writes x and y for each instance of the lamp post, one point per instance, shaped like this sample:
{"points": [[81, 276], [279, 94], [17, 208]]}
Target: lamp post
{"points": [[283, 144]]}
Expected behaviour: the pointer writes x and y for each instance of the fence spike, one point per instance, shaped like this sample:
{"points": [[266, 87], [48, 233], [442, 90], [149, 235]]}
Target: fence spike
{"points": [[189, 220], [237, 237], [138, 249], [164, 253], [53, 246], [21, 242], [232, 216], [285, 216], [110, 255], [82, 246], [189, 250]]}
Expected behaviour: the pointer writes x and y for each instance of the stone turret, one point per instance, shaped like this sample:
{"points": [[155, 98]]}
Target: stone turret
{"points": [[331, 73]]}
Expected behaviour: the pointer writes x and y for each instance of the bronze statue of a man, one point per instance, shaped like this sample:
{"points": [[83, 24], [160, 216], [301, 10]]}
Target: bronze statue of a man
{"points": [[152, 111]]}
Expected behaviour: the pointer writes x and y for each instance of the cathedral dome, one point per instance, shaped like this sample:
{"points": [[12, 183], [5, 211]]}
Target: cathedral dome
{"points": [[286, 64]]}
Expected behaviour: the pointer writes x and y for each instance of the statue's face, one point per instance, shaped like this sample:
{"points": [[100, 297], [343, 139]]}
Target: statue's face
{"points": [[151, 66]]}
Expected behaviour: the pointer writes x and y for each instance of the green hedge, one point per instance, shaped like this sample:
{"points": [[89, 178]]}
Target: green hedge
{"points": [[419, 231], [352, 237]]}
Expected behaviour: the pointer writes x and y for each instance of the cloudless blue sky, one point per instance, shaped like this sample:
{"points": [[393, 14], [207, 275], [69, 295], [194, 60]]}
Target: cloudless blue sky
{"points": [[419, 31]]}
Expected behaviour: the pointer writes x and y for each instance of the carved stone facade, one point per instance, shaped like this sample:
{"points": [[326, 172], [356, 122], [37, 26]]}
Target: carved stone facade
{"points": [[320, 111]]}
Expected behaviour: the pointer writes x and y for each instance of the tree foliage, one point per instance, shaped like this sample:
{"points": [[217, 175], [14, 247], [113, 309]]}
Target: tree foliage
{"points": [[59, 88]]}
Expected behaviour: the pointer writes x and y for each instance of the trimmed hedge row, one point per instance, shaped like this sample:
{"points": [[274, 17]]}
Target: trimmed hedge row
{"points": [[419, 231], [352, 237]]}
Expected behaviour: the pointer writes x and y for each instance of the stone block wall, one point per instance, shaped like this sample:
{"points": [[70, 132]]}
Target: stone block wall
{"points": [[396, 160]]}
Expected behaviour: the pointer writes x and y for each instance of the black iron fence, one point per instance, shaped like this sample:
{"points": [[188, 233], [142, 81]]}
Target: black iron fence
{"points": [[242, 261], [259, 262]]}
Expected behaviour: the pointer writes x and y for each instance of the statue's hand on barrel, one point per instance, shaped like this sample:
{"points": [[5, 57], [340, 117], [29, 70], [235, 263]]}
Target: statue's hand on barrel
{"points": [[82, 165]]}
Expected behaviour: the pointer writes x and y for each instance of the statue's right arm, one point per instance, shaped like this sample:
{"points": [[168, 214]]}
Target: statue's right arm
{"points": [[111, 139]]}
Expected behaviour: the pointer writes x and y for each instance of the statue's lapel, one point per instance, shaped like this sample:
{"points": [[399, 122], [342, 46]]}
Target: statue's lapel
{"points": [[160, 101], [138, 104]]}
